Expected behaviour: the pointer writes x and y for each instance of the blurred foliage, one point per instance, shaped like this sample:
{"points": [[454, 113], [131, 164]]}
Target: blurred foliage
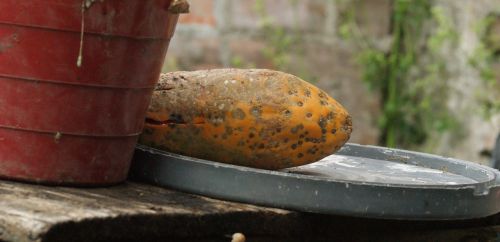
{"points": [[486, 54], [170, 64], [281, 44], [239, 62], [411, 76]]}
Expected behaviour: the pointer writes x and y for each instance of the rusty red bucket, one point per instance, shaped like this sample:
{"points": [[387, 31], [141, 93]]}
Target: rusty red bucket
{"points": [[76, 77]]}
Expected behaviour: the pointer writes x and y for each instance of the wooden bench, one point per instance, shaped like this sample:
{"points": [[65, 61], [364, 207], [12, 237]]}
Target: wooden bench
{"points": [[139, 212]]}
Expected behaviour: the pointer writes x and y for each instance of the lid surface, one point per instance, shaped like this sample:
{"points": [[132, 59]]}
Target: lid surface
{"points": [[362, 181]]}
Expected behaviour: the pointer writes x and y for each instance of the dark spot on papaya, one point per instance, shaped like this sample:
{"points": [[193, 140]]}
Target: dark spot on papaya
{"points": [[322, 122], [215, 136], [330, 116], [321, 95], [347, 125], [256, 111], [348, 121], [333, 131], [294, 146], [287, 113], [300, 104], [323, 131], [301, 136], [300, 155], [290, 92], [300, 142], [251, 135], [307, 92], [278, 130], [296, 129], [309, 115], [238, 114], [323, 103], [311, 151], [285, 140]]}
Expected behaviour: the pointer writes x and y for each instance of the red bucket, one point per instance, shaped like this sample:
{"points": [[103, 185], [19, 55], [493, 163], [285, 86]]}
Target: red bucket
{"points": [[76, 78]]}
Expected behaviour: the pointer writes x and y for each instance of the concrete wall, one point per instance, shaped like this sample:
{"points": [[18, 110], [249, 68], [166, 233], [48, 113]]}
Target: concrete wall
{"points": [[225, 33], [467, 87]]}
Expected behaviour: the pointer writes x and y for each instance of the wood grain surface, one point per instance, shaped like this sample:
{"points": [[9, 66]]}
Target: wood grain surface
{"points": [[139, 212]]}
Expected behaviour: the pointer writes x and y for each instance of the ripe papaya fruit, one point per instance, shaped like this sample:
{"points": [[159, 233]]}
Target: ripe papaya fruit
{"points": [[253, 117]]}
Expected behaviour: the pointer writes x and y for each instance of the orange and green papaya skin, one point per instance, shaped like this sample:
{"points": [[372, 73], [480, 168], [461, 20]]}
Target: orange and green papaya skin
{"points": [[253, 117]]}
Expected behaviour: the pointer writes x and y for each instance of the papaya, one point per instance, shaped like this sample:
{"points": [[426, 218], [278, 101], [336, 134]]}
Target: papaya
{"points": [[250, 117]]}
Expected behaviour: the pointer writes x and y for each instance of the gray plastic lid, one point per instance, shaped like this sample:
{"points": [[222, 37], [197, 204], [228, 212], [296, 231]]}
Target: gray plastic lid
{"points": [[362, 181]]}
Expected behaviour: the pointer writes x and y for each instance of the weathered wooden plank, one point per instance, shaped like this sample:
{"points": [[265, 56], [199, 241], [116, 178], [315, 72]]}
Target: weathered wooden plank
{"points": [[138, 212], [34, 213]]}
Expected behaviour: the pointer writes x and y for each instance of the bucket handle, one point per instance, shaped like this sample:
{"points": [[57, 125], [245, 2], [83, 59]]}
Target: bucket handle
{"points": [[179, 7]]}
